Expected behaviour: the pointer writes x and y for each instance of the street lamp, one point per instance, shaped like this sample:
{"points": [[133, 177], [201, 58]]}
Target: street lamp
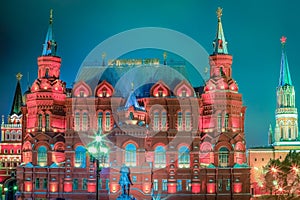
{"points": [[98, 150]]}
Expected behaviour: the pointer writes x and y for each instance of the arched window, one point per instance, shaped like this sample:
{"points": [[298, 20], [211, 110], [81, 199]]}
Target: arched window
{"points": [[226, 121], [80, 157], [7, 133], [100, 117], [47, 73], [130, 155], [107, 121], [42, 156], [290, 133], [160, 157], [183, 157], [164, 121], [85, 122], [179, 121], [223, 157], [77, 121], [47, 122], [219, 122], [40, 122], [156, 121], [187, 121], [75, 184]]}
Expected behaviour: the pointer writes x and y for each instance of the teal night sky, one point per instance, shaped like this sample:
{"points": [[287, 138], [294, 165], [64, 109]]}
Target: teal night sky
{"points": [[252, 30]]}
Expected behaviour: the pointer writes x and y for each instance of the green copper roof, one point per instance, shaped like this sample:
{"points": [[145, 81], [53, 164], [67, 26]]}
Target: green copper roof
{"points": [[18, 99], [285, 77], [220, 44]]}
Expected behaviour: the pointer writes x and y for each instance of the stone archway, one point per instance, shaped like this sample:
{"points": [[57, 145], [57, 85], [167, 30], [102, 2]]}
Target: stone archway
{"points": [[11, 188]]}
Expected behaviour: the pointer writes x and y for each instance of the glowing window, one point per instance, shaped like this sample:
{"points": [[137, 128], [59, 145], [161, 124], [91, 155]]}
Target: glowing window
{"points": [[160, 157], [219, 122], [100, 117], [223, 157], [164, 184], [164, 121], [156, 121], [47, 122], [179, 121], [42, 156], [155, 184], [40, 122], [187, 121], [188, 185], [107, 121], [130, 155], [80, 157], [85, 122], [77, 121], [226, 121], [183, 157], [179, 185]]}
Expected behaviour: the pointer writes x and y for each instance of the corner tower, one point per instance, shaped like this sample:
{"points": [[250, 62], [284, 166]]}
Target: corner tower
{"points": [[223, 112], [44, 110], [286, 129]]}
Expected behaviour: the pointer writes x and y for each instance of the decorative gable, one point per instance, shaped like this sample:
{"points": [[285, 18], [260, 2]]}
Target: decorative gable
{"points": [[160, 89], [81, 89], [104, 89], [184, 89]]}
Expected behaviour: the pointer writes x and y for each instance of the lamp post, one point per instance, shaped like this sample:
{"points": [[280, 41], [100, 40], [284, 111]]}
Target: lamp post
{"points": [[98, 150]]}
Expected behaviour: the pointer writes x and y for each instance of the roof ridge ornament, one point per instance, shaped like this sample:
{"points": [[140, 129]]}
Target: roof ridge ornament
{"points": [[19, 76], [219, 43], [51, 16], [219, 13]]}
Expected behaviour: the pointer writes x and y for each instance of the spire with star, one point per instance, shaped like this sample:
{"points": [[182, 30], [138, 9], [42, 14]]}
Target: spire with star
{"points": [[220, 44], [50, 45], [285, 77]]}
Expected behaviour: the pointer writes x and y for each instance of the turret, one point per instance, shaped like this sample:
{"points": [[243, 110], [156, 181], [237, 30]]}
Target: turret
{"points": [[49, 63], [286, 112]]}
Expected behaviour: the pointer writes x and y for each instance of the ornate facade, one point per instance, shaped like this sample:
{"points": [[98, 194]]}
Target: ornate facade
{"points": [[285, 138], [10, 145], [177, 142]]}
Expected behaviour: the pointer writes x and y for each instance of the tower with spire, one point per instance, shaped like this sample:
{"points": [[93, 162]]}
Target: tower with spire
{"points": [[222, 117], [11, 141], [286, 128], [285, 137]]}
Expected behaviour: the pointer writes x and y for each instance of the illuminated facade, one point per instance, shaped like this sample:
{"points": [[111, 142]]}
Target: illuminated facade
{"points": [[174, 139], [10, 145], [285, 137]]}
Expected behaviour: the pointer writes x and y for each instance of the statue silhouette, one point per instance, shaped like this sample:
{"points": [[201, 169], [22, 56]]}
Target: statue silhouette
{"points": [[125, 180]]}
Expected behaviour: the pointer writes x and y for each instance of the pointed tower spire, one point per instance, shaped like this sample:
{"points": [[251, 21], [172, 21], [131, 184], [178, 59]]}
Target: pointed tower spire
{"points": [[220, 44], [271, 140], [285, 77], [18, 100], [50, 46]]}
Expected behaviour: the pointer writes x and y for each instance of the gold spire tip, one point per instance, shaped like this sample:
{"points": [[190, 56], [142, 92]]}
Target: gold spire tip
{"points": [[103, 55], [219, 12], [19, 76], [51, 15], [165, 55]]}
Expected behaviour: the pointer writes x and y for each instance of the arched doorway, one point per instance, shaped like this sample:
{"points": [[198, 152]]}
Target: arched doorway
{"points": [[10, 188]]}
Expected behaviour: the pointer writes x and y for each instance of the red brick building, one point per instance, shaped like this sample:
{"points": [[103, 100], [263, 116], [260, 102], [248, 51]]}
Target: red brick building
{"points": [[10, 145], [178, 141]]}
